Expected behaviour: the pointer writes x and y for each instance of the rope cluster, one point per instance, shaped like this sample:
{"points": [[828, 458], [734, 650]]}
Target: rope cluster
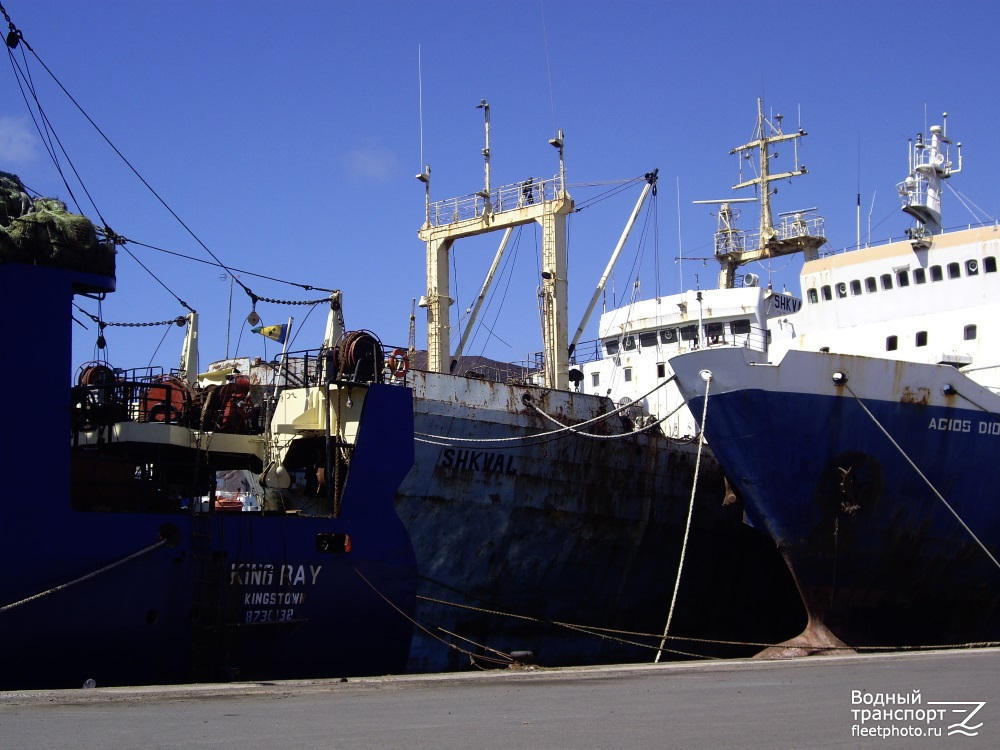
{"points": [[542, 437]]}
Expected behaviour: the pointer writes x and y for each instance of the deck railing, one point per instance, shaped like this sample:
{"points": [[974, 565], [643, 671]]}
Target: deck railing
{"points": [[504, 198]]}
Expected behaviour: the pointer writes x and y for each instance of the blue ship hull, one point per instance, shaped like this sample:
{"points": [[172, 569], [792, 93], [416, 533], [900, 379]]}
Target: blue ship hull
{"points": [[569, 548], [158, 597], [878, 557]]}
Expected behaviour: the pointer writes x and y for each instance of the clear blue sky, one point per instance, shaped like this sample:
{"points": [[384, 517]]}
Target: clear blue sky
{"points": [[287, 135]]}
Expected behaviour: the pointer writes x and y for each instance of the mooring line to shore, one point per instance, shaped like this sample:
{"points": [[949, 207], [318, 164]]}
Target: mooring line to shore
{"points": [[507, 659], [575, 429], [424, 437], [687, 526], [615, 634], [597, 632], [933, 489], [66, 585]]}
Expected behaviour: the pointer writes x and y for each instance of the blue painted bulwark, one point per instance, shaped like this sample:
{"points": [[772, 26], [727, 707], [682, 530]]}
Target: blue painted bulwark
{"points": [[160, 591]]}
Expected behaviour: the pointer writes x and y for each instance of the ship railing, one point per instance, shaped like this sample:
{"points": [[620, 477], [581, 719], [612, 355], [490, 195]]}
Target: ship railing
{"points": [[505, 372], [798, 225], [731, 243], [532, 370], [500, 199], [756, 339], [906, 236], [525, 371], [141, 395], [788, 228], [913, 191], [115, 400]]}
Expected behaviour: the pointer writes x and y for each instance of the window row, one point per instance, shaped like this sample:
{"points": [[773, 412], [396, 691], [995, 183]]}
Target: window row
{"points": [[901, 278], [661, 372], [649, 339], [920, 338]]}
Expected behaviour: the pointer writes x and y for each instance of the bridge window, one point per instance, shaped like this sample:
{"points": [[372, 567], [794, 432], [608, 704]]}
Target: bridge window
{"points": [[870, 286], [628, 374], [715, 331], [990, 264], [595, 379], [936, 274], [813, 296], [661, 370], [647, 339], [628, 343], [954, 271], [902, 278], [855, 287], [668, 336], [739, 327], [921, 338], [891, 343], [972, 267], [841, 290], [689, 333], [886, 279], [827, 293], [970, 332], [611, 347], [919, 276]]}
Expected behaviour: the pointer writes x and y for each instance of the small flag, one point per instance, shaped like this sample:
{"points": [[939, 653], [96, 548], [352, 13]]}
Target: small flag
{"points": [[277, 333]]}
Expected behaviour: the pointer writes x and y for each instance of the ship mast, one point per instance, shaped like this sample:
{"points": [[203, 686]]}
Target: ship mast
{"points": [[930, 165], [544, 201], [794, 233]]}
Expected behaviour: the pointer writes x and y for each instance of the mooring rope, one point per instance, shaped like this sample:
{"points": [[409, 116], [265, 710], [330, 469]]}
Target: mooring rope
{"points": [[105, 569], [609, 634], [575, 429], [933, 489], [506, 660], [614, 634], [424, 437], [687, 527]]}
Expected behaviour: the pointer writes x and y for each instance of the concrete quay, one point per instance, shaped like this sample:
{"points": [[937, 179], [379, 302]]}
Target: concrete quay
{"points": [[923, 700]]}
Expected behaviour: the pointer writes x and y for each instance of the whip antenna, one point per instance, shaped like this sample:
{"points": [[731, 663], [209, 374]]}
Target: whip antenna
{"points": [[420, 98], [548, 67]]}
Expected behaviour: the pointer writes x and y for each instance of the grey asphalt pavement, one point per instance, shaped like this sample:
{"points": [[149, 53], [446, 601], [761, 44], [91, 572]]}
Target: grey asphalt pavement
{"points": [[818, 702]]}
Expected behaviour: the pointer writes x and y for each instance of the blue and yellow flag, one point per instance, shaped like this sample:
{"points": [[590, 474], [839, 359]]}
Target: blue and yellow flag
{"points": [[277, 333]]}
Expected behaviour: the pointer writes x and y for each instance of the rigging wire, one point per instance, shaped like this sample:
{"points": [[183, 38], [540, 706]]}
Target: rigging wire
{"points": [[506, 270], [54, 147], [966, 201], [157, 280], [156, 351], [305, 287], [600, 197], [16, 37], [508, 267]]}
